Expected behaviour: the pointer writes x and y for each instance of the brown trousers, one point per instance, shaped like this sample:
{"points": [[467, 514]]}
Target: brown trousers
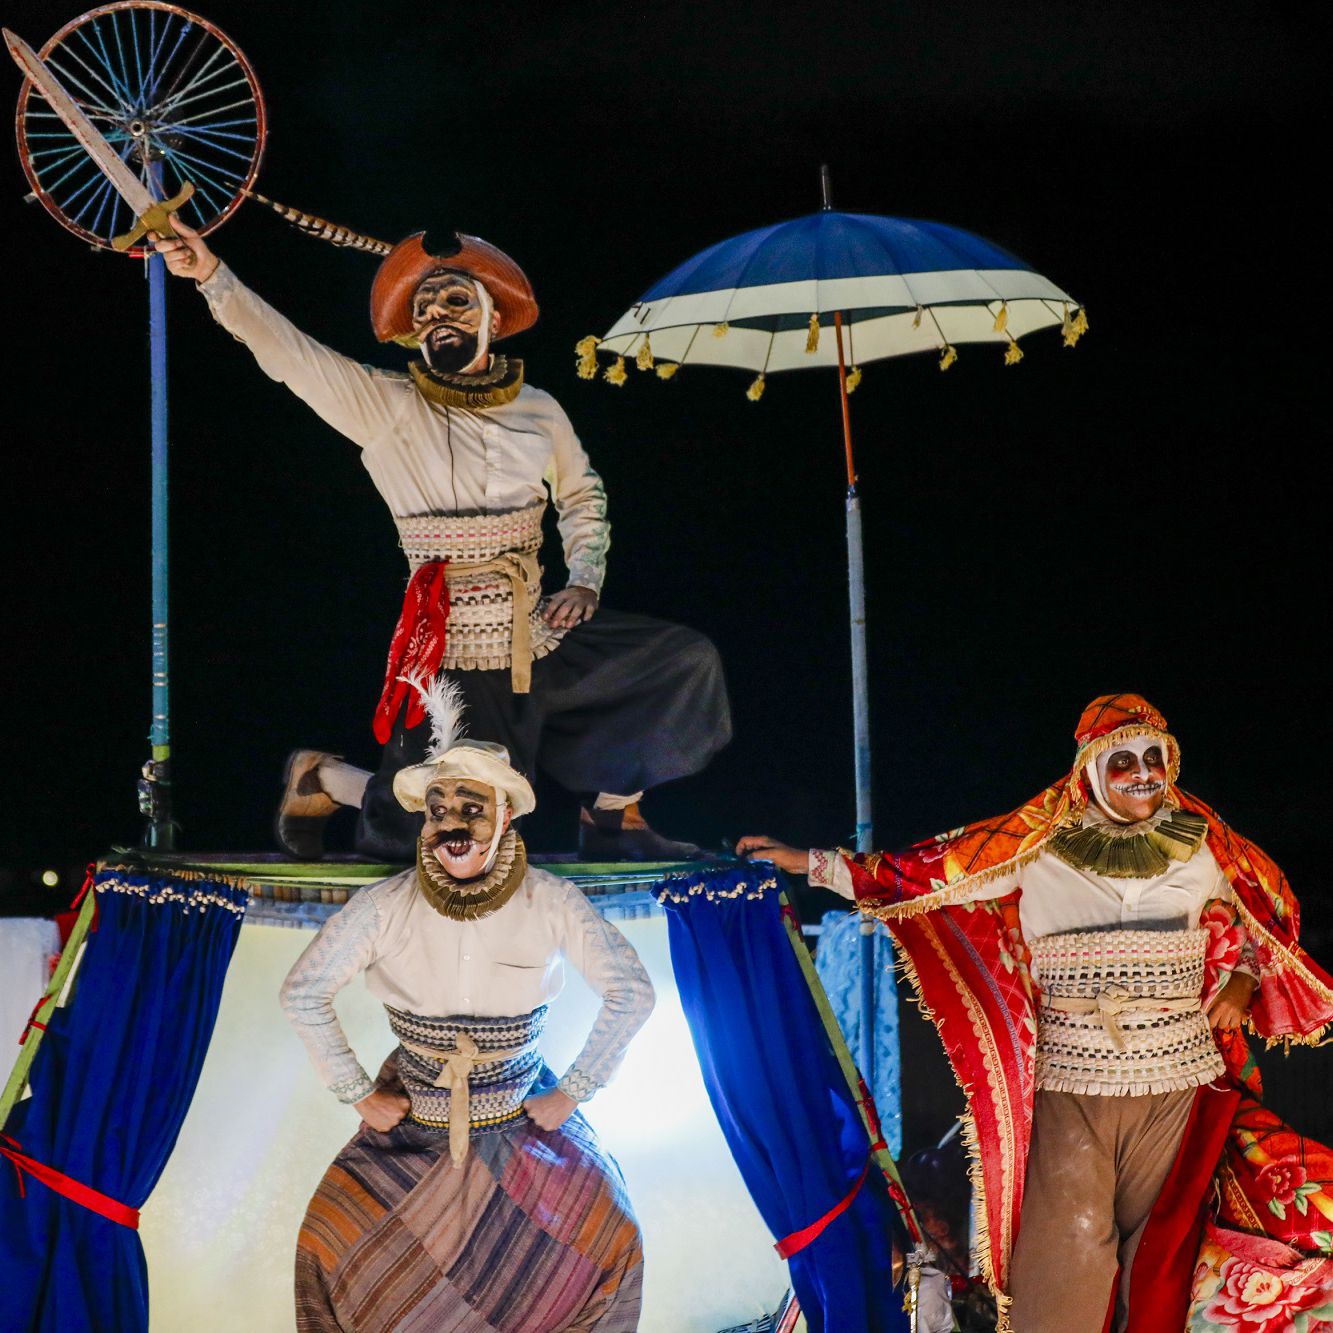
{"points": [[1095, 1170]]}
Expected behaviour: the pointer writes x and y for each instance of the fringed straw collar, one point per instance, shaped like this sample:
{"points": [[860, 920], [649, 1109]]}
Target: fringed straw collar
{"points": [[472, 899], [490, 388]]}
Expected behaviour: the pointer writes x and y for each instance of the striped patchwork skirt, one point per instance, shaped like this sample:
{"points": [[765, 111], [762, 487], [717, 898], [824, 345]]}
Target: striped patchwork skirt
{"points": [[533, 1233]]}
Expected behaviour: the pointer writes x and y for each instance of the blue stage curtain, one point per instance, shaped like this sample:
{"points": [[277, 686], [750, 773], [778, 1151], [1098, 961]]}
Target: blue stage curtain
{"points": [[838, 961], [111, 1084], [782, 1101]]}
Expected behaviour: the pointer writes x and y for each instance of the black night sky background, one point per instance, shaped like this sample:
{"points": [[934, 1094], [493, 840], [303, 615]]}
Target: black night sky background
{"points": [[1139, 513]]}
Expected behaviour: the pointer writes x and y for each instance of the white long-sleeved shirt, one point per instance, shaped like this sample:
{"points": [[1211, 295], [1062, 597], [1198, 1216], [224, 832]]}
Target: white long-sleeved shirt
{"points": [[425, 458], [506, 964]]}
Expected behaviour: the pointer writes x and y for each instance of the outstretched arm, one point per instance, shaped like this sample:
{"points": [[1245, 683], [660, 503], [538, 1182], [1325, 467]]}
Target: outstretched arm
{"points": [[354, 400]]}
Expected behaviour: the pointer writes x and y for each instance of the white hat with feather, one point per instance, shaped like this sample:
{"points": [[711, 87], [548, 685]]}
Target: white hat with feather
{"points": [[451, 756]]}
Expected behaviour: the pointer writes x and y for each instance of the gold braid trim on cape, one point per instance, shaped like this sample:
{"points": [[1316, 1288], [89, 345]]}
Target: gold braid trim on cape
{"points": [[472, 899], [489, 388]]}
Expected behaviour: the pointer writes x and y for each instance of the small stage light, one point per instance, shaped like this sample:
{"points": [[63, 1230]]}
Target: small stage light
{"points": [[50, 878]]}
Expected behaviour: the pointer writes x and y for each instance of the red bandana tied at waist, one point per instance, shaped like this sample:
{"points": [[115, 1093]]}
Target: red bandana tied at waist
{"points": [[416, 650]]}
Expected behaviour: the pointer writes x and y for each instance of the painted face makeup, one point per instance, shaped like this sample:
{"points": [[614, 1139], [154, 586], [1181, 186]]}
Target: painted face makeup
{"points": [[451, 316], [463, 820], [1132, 780]]}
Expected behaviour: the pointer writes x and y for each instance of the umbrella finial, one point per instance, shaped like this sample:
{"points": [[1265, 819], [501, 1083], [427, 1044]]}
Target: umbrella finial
{"points": [[825, 187]]}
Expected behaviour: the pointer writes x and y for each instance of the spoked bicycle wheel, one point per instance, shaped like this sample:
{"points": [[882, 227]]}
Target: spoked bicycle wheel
{"points": [[170, 92]]}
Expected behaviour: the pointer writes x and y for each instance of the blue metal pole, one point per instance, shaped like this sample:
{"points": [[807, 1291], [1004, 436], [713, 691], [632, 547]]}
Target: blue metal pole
{"points": [[865, 835], [155, 784], [856, 589]]}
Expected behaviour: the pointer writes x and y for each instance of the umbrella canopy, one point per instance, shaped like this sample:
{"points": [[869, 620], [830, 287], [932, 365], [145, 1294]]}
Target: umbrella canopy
{"points": [[757, 301]]}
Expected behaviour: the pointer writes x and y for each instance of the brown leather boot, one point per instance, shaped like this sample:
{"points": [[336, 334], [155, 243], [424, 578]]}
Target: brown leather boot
{"points": [[305, 807], [624, 835]]}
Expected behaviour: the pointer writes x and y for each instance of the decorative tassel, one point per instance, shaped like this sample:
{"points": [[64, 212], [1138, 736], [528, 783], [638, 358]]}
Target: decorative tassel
{"points": [[587, 353], [1013, 354], [812, 335], [665, 369], [720, 330], [948, 356], [756, 390], [916, 323], [853, 379], [1078, 328], [615, 372], [1002, 319], [644, 359]]}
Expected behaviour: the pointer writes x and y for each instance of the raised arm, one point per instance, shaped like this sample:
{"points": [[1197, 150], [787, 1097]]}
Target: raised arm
{"points": [[344, 946], [356, 401], [606, 960]]}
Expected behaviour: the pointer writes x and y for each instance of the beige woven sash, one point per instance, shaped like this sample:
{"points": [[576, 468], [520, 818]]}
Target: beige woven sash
{"points": [[454, 1074], [520, 568], [1115, 999]]}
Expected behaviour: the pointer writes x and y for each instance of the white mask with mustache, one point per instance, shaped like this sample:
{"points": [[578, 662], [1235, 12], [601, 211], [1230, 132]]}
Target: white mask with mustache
{"points": [[1096, 772]]}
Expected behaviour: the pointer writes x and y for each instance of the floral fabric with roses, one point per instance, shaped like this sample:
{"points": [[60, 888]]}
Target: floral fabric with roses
{"points": [[1258, 1286], [1263, 1265]]}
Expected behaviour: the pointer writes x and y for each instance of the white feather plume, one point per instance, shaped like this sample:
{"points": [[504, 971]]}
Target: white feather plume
{"points": [[443, 701]]}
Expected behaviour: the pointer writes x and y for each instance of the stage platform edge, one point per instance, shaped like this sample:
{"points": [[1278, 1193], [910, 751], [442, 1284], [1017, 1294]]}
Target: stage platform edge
{"points": [[304, 894]]}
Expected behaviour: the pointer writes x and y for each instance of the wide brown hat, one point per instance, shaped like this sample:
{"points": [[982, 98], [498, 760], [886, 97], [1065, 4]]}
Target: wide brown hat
{"points": [[410, 263]]}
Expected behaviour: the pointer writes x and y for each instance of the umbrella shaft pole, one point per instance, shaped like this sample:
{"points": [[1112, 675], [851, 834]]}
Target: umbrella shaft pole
{"points": [[846, 407], [865, 836]]}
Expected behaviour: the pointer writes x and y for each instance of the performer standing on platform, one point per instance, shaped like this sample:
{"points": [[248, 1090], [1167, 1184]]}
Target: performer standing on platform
{"points": [[463, 451], [474, 1194], [1089, 961]]}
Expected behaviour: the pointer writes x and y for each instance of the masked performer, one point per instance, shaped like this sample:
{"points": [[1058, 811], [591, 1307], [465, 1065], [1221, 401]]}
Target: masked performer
{"points": [[474, 1195], [463, 450], [1074, 956]]}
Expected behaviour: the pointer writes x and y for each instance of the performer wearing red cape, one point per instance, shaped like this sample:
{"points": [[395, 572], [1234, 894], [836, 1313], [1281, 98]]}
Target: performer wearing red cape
{"points": [[1090, 960]]}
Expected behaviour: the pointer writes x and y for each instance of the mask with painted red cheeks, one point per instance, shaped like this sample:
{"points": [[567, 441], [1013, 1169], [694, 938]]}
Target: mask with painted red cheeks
{"points": [[1133, 779]]}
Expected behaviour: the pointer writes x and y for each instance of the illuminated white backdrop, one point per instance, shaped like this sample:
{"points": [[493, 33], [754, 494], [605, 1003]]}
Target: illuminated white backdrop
{"points": [[220, 1229]]}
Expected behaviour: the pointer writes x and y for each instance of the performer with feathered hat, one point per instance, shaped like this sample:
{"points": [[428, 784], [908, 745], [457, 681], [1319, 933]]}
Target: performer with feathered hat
{"points": [[474, 1193], [1089, 961], [463, 451]]}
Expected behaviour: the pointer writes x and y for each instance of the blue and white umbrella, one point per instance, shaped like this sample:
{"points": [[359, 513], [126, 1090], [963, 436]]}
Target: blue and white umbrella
{"points": [[764, 301]]}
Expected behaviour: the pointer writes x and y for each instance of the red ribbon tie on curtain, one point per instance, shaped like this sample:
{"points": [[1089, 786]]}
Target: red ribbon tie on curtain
{"points": [[71, 1189], [798, 1240]]}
